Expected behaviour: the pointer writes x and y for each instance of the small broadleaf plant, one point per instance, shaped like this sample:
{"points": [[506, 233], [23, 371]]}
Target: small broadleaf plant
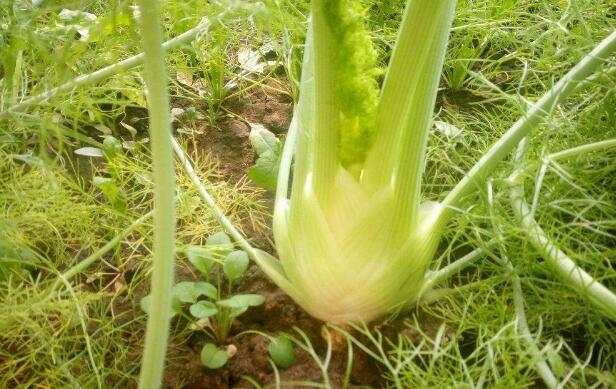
{"points": [[212, 307], [268, 148]]}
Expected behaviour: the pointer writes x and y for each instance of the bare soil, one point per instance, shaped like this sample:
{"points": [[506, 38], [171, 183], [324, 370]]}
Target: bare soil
{"points": [[279, 313], [228, 140]]}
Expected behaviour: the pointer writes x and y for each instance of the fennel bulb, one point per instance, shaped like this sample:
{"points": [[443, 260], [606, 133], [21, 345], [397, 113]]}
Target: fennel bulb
{"points": [[353, 241]]}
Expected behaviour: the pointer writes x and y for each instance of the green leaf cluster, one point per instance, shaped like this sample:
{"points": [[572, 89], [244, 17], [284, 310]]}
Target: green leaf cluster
{"points": [[213, 306]]}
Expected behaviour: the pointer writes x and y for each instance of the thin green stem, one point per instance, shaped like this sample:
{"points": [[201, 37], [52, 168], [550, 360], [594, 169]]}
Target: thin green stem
{"points": [[101, 74], [157, 331], [435, 278], [561, 90], [209, 200], [542, 367], [82, 265], [565, 267], [84, 328], [572, 152]]}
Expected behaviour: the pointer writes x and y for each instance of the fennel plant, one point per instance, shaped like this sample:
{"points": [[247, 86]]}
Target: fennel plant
{"points": [[356, 134], [355, 199], [353, 236]]}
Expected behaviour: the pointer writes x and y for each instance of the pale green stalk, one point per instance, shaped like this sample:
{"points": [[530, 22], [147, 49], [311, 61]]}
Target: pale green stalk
{"points": [[572, 152], [437, 277], [406, 107], [326, 116], [521, 327], [302, 123], [286, 159], [561, 90], [17, 73], [157, 331], [108, 71], [571, 274]]}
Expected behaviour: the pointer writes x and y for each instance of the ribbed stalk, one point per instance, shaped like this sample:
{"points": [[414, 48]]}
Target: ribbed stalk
{"points": [[157, 331], [406, 106], [326, 123], [303, 124]]}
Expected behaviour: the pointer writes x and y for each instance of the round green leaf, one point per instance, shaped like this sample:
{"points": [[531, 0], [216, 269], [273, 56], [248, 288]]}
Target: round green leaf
{"points": [[220, 242], [281, 351], [235, 265], [263, 140], [242, 301], [201, 258], [146, 303], [111, 147], [235, 312], [203, 309], [189, 292], [212, 357]]}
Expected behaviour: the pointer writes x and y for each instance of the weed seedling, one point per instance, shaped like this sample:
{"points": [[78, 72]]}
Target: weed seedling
{"points": [[212, 307]]}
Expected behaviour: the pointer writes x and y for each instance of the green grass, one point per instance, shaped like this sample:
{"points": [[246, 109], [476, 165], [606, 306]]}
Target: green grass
{"points": [[51, 207], [523, 50]]}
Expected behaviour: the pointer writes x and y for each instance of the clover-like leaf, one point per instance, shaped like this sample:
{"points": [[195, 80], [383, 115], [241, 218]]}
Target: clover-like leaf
{"points": [[111, 147], [242, 301], [449, 130], [212, 357], [263, 140], [94, 152], [203, 309], [189, 292], [269, 150], [264, 172], [146, 303], [219, 243], [114, 194], [235, 265], [281, 351], [235, 312], [201, 258]]}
